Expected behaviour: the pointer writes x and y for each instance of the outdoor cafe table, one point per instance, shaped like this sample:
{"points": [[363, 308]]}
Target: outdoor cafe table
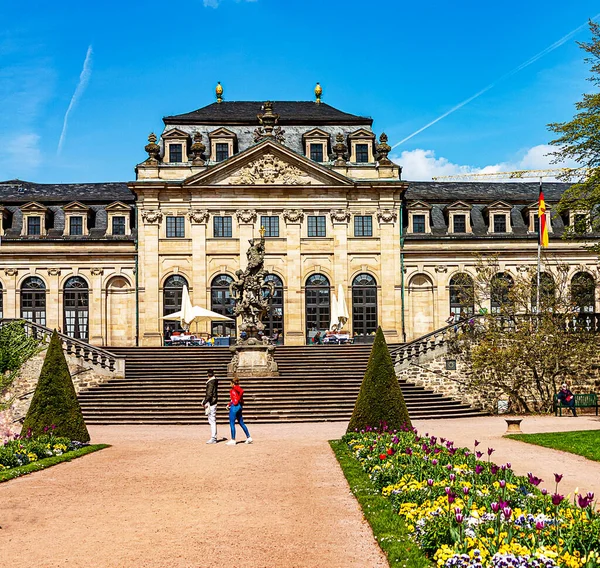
{"points": [[337, 338]]}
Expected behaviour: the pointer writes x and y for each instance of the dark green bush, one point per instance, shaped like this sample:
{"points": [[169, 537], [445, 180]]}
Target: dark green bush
{"points": [[54, 401], [380, 400]]}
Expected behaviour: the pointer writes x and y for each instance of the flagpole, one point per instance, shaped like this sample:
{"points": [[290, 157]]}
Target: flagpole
{"points": [[539, 258]]}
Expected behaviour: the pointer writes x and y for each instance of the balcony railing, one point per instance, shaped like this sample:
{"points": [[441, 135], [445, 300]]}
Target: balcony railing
{"points": [[96, 356]]}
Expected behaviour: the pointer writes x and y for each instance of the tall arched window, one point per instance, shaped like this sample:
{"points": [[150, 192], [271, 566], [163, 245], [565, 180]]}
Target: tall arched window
{"points": [[500, 292], [317, 303], [222, 303], [33, 300], [274, 319], [364, 305], [172, 293], [76, 308], [547, 292], [462, 295], [583, 292]]}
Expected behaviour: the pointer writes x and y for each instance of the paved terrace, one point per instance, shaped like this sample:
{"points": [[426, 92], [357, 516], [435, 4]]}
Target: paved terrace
{"points": [[161, 497]]}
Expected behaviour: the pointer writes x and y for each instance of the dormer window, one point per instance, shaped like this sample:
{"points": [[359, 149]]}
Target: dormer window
{"points": [[316, 143], [34, 225], [534, 221], [176, 143], [118, 219], [459, 218], [76, 219], [222, 144], [499, 217], [3, 216], [175, 153], [419, 218], [361, 146], [579, 221], [76, 225]]}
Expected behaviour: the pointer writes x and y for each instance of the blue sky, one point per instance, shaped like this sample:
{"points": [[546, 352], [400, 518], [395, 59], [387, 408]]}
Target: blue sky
{"points": [[403, 64]]}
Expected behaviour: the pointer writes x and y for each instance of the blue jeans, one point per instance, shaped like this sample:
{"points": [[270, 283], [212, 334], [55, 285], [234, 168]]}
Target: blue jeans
{"points": [[235, 413]]}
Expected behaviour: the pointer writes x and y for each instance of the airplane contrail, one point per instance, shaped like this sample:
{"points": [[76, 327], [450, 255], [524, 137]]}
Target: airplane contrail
{"points": [[522, 66], [84, 79]]}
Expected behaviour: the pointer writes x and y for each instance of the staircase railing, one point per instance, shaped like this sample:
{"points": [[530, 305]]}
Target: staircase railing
{"points": [[96, 356]]}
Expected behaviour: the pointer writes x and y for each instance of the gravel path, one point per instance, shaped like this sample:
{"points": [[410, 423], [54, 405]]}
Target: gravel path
{"points": [[161, 497]]}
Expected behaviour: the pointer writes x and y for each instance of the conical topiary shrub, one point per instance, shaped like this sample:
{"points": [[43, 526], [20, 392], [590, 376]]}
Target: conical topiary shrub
{"points": [[54, 400], [380, 399]]}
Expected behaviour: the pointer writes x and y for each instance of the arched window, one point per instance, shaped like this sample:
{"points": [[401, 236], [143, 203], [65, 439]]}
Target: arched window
{"points": [[222, 303], [364, 305], [33, 300], [317, 304], [583, 292], [500, 292], [274, 319], [76, 308], [172, 293], [462, 296], [547, 292]]}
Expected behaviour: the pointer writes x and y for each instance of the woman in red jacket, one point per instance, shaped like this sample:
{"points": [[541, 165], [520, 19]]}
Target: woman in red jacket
{"points": [[235, 406]]}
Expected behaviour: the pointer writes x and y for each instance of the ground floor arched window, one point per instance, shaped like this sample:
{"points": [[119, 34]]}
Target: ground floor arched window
{"points": [[172, 294], [500, 287], [33, 300], [583, 292], [317, 296], [221, 302], [274, 318], [462, 296], [76, 308], [547, 292], [364, 305]]}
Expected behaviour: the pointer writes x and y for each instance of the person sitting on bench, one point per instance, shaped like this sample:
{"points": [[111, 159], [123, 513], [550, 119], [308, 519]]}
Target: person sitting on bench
{"points": [[567, 398]]}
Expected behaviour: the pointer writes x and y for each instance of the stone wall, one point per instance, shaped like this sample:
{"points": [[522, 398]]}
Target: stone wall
{"points": [[84, 376]]}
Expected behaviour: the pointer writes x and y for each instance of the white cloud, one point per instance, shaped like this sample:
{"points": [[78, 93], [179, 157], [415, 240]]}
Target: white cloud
{"points": [[422, 165], [22, 155]]}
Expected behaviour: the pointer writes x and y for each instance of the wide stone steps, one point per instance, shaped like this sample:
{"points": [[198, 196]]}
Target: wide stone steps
{"points": [[316, 383]]}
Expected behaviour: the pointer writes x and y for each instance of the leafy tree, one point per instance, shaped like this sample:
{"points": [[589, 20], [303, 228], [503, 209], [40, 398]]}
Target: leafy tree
{"points": [[54, 401], [519, 351], [579, 140], [16, 347], [380, 399]]}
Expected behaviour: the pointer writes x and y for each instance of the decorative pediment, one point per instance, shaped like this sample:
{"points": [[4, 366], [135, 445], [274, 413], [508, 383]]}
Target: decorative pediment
{"points": [[268, 163], [316, 133], [76, 206], [419, 205], [458, 205], [175, 133], [222, 133], [498, 206], [535, 206], [118, 206], [361, 133], [33, 207]]}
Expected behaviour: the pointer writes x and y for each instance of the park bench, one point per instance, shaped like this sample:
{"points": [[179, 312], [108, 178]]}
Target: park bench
{"points": [[589, 400]]}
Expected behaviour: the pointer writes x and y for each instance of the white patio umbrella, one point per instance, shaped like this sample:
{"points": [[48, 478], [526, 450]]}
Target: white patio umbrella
{"points": [[343, 314], [334, 315], [190, 314]]}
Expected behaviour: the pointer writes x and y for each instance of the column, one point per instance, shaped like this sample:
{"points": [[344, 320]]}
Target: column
{"points": [[339, 220], [95, 307], [294, 297], [11, 293], [198, 220], [389, 275], [54, 304]]}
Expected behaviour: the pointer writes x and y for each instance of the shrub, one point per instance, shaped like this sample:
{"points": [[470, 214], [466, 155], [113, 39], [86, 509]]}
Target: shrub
{"points": [[54, 401], [380, 400]]}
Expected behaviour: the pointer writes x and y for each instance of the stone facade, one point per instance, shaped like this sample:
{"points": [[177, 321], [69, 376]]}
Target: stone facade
{"points": [[336, 209]]}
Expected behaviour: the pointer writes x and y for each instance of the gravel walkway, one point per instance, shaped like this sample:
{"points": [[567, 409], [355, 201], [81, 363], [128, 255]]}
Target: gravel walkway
{"points": [[161, 497]]}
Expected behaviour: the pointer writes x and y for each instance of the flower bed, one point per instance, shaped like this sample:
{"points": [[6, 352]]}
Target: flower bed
{"points": [[23, 450], [464, 510]]}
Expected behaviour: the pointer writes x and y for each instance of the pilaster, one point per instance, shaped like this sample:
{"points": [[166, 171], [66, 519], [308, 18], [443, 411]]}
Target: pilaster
{"points": [[389, 274], [293, 308]]}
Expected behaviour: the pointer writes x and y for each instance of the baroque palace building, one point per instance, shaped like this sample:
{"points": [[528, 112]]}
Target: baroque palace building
{"points": [[105, 261]]}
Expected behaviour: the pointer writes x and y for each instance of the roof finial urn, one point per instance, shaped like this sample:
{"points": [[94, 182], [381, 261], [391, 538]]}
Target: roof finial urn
{"points": [[318, 93], [197, 150], [153, 149], [383, 149], [219, 92]]}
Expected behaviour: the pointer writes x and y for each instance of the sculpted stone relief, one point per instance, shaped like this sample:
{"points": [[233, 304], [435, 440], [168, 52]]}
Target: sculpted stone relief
{"points": [[246, 215], [151, 216], [340, 215], [387, 215], [293, 215], [269, 169], [198, 216]]}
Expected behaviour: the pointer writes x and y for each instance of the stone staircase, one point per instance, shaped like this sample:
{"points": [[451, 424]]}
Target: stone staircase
{"points": [[316, 383]]}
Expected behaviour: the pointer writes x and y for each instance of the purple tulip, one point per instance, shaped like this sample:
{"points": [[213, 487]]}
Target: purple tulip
{"points": [[494, 469], [459, 517], [502, 483], [582, 501], [449, 467], [590, 496], [426, 435], [466, 490], [478, 469], [508, 465], [507, 512], [433, 440], [557, 477], [451, 498], [539, 525], [451, 451], [533, 479], [478, 454], [430, 482], [452, 477], [409, 451], [437, 450], [544, 492], [448, 490], [467, 453], [495, 506], [556, 499], [434, 462], [477, 442], [491, 451], [442, 440]]}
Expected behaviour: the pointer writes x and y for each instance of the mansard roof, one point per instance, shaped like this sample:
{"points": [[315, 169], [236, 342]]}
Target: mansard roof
{"points": [[290, 112], [17, 191]]}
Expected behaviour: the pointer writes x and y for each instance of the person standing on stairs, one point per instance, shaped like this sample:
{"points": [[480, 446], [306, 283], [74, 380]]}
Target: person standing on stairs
{"points": [[235, 411], [210, 404]]}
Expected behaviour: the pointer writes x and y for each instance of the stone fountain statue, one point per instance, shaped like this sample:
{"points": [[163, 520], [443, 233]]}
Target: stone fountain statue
{"points": [[252, 355]]}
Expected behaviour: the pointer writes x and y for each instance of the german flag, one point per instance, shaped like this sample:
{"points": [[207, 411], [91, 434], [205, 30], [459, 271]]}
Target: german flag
{"points": [[543, 228]]}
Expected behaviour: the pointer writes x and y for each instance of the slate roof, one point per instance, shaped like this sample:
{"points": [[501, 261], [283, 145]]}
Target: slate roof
{"points": [[17, 191], [290, 112]]}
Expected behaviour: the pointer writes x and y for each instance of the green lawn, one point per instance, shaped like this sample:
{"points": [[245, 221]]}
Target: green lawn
{"points": [[389, 528], [584, 443], [13, 472]]}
